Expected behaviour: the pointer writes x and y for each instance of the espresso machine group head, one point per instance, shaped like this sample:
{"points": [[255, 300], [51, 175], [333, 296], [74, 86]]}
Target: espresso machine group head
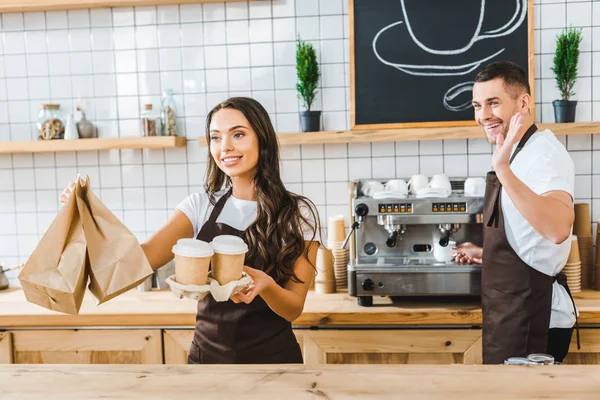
{"points": [[394, 241]]}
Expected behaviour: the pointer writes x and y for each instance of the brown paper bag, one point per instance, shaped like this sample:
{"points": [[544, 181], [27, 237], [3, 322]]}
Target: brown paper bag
{"points": [[117, 261], [55, 275], [85, 240]]}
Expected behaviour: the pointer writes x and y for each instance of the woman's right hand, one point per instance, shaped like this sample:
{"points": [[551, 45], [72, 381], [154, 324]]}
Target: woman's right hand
{"points": [[67, 192]]}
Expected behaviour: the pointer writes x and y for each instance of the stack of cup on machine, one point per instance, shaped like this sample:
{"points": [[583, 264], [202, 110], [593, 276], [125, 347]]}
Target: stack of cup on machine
{"points": [[573, 267], [582, 228], [325, 280], [336, 233]]}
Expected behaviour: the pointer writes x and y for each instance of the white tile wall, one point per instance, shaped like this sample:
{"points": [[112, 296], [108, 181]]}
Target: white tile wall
{"points": [[116, 60]]}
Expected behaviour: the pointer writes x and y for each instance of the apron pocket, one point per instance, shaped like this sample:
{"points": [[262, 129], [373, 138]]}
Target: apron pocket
{"points": [[194, 354]]}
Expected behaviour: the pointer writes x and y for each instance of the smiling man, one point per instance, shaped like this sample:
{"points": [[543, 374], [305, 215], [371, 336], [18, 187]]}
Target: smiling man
{"points": [[528, 219]]}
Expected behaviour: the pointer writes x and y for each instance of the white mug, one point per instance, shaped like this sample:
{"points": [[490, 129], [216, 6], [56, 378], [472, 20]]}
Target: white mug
{"points": [[371, 187], [397, 186], [474, 186], [444, 254], [417, 182], [440, 181]]}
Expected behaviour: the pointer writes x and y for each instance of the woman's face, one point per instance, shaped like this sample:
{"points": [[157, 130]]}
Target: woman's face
{"points": [[233, 143]]}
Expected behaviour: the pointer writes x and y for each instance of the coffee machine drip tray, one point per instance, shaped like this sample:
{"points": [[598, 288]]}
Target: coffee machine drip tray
{"points": [[414, 278]]}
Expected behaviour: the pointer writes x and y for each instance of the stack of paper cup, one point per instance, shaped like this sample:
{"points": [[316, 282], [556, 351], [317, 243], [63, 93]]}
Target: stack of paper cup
{"points": [[582, 228], [336, 234], [597, 260], [325, 279], [573, 267]]}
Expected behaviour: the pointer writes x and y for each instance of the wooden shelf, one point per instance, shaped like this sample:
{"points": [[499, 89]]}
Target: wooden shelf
{"points": [[44, 146], [396, 135], [8, 6]]}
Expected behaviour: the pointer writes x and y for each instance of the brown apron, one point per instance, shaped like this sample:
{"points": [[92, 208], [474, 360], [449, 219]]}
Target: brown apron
{"points": [[230, 333], [516, 299]]}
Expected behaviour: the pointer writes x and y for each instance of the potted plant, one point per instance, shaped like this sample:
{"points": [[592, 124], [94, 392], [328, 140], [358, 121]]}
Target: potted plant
{"points": [[566, 60], [307, 69]]}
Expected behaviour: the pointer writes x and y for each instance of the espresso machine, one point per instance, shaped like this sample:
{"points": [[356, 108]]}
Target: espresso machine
{"points": [[393, 242]]}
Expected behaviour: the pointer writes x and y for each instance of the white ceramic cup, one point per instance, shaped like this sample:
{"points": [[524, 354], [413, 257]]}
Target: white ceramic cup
{"points": [[440, 181], [444, 254], [371, 187], [475, 186], [417, 182], [397, 186]]}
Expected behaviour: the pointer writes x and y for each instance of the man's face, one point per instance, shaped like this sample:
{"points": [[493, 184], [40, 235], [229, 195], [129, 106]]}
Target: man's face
{"points": [[494, 107]]}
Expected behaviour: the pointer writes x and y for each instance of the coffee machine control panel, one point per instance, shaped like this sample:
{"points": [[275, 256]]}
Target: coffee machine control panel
{"points": [[395, 208], [448, 207]]}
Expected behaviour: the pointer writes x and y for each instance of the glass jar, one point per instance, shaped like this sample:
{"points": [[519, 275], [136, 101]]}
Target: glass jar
{"points": [[51, 122], [168, 112], [150, 121]]}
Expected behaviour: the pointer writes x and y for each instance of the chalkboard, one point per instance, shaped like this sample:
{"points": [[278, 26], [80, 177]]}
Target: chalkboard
{"points": [[413, 61]]}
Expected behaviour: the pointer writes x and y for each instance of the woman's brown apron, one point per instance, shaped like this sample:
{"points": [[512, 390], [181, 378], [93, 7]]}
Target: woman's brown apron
{"points": [[516, 299], [230, 333]]}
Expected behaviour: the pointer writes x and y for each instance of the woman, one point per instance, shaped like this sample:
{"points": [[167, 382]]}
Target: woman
{"points": [[255, 325]]}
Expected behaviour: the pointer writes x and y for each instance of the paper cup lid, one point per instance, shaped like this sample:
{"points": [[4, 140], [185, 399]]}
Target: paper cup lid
{"points": [[192, 248], [229, 244]]}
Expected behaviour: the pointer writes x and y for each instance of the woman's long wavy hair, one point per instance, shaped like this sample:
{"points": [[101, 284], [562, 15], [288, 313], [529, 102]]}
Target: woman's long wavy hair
{"points": [[277, 234]]}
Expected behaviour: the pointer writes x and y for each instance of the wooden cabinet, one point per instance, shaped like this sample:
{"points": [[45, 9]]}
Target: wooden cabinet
{"points": [[590, 347], [363, 346], [177, 345], [87, 347], [324, 346], [5, 348], [392, 346]]}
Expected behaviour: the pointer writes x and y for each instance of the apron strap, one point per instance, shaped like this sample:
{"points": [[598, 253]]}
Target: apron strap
{"points": [[562, 281], [219, 206], [496, 210]]}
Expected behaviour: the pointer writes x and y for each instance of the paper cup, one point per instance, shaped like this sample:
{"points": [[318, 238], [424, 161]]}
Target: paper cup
{"points": [[335, 229], [192, 261], [228, 260], [574, 253], [583, 223]]}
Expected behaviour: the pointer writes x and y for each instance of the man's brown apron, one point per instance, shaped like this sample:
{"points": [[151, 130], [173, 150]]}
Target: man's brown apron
{"points": [[230, 333], [516, 299]]}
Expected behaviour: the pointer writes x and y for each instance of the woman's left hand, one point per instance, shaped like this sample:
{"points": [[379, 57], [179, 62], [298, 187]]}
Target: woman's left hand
{"points": [[260, 282]]}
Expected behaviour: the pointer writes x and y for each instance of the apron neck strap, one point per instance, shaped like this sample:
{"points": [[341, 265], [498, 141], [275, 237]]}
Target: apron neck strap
{"points": [[532, 129], [219, 206]]}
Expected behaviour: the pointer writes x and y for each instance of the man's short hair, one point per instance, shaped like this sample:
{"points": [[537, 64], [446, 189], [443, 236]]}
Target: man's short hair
{"points": [[514, 77]]}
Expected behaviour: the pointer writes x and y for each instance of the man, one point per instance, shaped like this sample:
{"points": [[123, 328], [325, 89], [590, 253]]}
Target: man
{"points": [[528, 219]]}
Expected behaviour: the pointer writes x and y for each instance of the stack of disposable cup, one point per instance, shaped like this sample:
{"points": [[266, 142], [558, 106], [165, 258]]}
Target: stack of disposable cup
{"points": [[325, 279], [336, 234], [572, 268], [582, 228], [597, 261]]}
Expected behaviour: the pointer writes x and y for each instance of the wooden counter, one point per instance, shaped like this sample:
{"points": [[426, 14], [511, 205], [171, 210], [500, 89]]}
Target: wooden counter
{"points": [[162, 309], [461, 382]]}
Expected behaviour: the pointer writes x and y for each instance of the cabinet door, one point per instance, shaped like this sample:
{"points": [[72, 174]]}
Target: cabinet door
{"points": [[5, 348], [105, 346], [392, 346], [177, 344], [590, 347]]}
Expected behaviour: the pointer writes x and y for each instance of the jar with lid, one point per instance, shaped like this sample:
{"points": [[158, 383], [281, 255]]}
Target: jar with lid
{"points": [[51, 122], [168, 112], [150, 121]]}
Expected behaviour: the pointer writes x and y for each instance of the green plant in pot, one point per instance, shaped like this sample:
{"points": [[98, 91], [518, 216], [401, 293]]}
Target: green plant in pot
{"points": [[307, 69], [566, 60]]}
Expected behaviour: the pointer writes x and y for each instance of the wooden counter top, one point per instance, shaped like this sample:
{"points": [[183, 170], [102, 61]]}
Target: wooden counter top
{"points": [[447, 382], [162, 309]]}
